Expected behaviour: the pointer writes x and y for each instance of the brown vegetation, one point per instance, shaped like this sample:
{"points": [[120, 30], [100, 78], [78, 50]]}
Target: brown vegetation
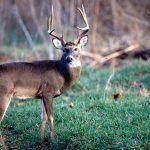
{"points": [[114, 24]]}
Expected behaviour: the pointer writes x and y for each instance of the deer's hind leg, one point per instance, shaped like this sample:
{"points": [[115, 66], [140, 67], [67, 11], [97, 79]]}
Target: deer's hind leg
{"points": [[4, 103]]}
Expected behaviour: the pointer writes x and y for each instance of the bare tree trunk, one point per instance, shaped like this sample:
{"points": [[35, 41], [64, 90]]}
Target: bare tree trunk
{"points": [[25, 30], [115, 16], [72, 12], [4, 17], [94, 25], [36, 20], [1, 23]]}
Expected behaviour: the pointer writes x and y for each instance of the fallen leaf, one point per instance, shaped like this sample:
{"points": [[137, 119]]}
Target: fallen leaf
{"points": [[135, 84], [143, 91], [66, 98], [8, 127], [38, 146], [37, 125], [68, 105], [118, 95], [73, 144], [18, 104]]}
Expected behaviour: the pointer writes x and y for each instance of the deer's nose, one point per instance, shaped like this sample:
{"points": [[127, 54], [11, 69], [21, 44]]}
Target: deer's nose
{"points": [[69, 59]]}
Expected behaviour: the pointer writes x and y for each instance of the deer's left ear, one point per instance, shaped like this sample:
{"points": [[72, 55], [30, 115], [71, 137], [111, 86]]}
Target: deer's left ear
{"points": [[83, 40]]}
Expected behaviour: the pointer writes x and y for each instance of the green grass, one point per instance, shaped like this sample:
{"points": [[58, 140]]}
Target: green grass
{"points": [[96, 121]]}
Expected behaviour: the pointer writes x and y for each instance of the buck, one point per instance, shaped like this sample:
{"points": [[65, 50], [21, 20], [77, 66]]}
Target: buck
{"points": [[44, 79]]}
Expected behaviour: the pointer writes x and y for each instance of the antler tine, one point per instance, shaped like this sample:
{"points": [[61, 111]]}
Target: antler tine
{"points": [[50, 22], [50, 26], [84, 29], [84, 18]]}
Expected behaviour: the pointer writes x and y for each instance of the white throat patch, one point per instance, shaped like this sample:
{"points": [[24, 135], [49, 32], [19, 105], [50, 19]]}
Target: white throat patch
{"points": [[75, 63]]}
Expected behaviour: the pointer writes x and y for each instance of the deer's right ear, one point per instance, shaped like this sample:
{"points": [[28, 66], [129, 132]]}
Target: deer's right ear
{"points": [[57, 43]]}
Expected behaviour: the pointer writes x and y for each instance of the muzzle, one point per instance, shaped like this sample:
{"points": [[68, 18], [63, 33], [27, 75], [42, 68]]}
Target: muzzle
{"points": [[69, 59]]}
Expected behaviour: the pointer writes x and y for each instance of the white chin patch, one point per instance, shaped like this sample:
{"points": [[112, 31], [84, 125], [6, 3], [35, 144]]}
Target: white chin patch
{"points": [[75, 63]]}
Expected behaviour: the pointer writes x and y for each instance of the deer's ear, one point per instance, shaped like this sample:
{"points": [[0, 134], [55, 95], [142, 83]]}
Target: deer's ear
{"points": [[83, 40], [57, 43]]}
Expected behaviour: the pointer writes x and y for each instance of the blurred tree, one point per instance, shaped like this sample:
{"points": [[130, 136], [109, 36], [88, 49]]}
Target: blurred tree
{"points": [[113, 24]]}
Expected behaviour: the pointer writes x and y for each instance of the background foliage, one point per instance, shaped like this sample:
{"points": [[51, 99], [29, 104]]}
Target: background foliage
{"points": [[114, 24]]}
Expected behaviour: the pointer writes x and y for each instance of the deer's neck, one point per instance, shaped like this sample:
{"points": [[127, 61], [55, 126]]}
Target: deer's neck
{"points": [[70, 74]]}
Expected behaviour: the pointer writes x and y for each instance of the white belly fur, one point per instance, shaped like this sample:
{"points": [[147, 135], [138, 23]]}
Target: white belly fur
{"points": [[23, 97], [23, 93]]}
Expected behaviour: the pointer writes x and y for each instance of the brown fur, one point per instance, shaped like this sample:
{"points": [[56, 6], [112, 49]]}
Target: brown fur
{"points": [[40, 79], [32, 79]]}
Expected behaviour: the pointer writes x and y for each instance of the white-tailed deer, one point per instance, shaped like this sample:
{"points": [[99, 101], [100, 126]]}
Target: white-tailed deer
{"points": [[43, 79]]}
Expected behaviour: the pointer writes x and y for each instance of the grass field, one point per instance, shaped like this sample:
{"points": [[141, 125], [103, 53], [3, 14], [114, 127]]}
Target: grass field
{"points": [[96, 120]]}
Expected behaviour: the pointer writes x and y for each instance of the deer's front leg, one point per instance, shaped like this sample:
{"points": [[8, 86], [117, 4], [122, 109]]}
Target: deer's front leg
{"points": [[44, 120], [48, 103]]}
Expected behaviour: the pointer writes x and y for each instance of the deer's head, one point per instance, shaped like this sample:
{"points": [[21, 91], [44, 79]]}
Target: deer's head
{"points": [[71, 50]]}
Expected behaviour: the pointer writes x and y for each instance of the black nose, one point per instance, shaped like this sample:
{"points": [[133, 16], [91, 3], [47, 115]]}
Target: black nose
{"points": [[69, 59]]}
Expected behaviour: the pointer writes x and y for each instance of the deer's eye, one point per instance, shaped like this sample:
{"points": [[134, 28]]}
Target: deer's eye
{"points": [[75, 49]]}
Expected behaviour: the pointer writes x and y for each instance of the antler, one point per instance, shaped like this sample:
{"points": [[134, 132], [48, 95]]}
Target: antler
{"points": [[51, 30], [86, 28]]}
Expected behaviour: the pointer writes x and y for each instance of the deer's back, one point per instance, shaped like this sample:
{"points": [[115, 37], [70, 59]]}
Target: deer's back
{"points": [[29, 79], [25, 80]]}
